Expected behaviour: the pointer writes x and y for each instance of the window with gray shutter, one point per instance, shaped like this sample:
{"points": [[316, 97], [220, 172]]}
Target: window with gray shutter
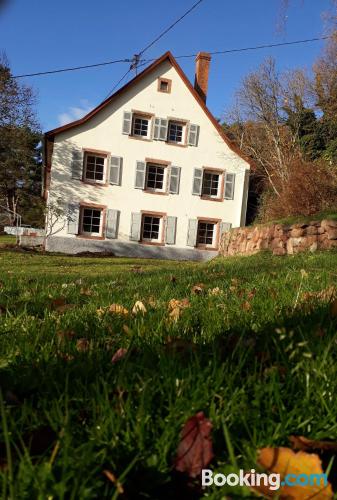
{"points": [[140, 174], [192, 232], [160, 129], [224, 227], [73, 217], [174, 179], [77, 164], [127, 122], [112, 221], [115, 170], [136, 224], [197, 181], [193, 134], [170, 235], [229, 186]]}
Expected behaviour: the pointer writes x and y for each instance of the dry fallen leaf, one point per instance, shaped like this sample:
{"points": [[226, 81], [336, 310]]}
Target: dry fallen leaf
{"points": [[118, 309], [126, 329], [175, 314], [86, 291], [246, 306], [100, 312], [108, 474], [82, 345], [304, 444], [119, 354], [215, 291], [198, 288], [65, 335], [139, 308], [195, 449], [285, 461], [182, 304]]}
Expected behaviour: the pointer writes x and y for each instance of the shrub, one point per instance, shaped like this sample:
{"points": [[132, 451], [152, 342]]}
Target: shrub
{"points": [[310, 188]]}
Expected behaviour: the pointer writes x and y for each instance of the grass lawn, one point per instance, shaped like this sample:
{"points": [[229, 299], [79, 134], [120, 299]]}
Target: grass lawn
{"points": [[258, 355]]}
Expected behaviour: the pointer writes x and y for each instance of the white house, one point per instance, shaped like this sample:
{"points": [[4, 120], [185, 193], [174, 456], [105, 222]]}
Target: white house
{"points": [[149, 172]]}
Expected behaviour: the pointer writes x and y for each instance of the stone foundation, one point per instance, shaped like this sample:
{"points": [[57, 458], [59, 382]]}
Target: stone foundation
{"points": [[281, 239]]}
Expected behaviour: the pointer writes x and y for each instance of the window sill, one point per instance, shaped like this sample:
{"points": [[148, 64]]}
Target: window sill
{"points": [[153, 243], [93, 183], [139, 138], [180, 145], [162, 193], [87, 237], [210, 198], [204, 247]]}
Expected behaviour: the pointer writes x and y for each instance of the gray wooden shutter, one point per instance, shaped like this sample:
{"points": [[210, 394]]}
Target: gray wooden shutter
{"points": [[197, 181], [229, 186], [77, 164], [127, 122], [170, 236], [156, 129], [112, 220], [163, 129], [140, 174], [224, 227], [73, 217], [115, 170], [193, 134], [192, 232], [174, 179], [136, 223]]}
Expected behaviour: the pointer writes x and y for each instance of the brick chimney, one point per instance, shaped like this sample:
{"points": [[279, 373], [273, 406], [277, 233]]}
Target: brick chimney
{"points": [[202, 63]]}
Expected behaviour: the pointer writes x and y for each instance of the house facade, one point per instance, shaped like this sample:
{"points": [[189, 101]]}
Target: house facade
{"points": [[148, 173]]}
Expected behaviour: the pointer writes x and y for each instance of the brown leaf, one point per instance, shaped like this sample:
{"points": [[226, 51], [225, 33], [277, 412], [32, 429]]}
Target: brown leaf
{"points": [[119, 354], [173, 279], [86, 291], [139, 308], [195, 449], [182, 304], [215, 291], [109, 475], [126, 329], [198, 288], [246, 306], [251, 294], [175, 314], [118, 310], [64, 308], [65, 335], [82, 345], [60, 301], [310, 445], [285, 461]]}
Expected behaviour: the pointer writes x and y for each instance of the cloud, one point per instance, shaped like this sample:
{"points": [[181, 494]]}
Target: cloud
{"points": [[75, 112]]}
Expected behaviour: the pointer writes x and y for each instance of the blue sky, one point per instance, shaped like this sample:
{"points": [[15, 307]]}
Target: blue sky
{"points": [[39, 35]]}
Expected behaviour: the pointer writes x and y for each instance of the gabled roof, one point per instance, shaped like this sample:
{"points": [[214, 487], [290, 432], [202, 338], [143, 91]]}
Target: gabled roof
{"points": [[167, 56]]}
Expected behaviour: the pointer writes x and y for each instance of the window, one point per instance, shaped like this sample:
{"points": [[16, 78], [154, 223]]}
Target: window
{"points": [[95, 168], [140, 126], [152, 228], [175, 132], [91, 221], [164, 85], [206, 234], [211, 184], [155, 177]]}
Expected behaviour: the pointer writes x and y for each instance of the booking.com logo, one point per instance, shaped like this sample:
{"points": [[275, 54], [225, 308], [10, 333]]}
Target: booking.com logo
{"points": [[252, 478]]}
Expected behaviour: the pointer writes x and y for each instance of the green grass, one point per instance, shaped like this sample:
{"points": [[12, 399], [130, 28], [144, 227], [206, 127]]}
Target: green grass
{"points": [[7, 239], [257, 358], [327, 214]]}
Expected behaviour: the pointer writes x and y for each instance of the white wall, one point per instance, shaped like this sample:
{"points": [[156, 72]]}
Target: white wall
{"points": [[104, 132]]}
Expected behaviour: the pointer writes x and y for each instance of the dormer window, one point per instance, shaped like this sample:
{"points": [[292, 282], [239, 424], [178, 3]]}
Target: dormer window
{"points": [[164, 85]]}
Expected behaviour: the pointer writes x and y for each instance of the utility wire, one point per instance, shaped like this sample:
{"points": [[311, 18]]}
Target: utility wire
{"points": [[75, 68], [144, 61], [170, 27], [137, 57], [116, 85]]}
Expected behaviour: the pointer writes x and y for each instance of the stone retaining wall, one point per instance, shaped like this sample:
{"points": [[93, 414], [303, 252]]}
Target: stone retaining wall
{"points": [[281, 239]]}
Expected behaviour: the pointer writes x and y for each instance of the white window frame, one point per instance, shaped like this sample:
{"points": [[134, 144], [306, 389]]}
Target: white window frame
{"points": [[183, 132], [95, 155], [214, 243], [220, 175], [157, 165], [135, 117], [90, 233], [160, 230]]}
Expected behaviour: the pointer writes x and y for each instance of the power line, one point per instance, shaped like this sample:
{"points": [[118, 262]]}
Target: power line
{"points": [[144, 61], [75, 68], [116, 85], [170, 27], [137, 57]]}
